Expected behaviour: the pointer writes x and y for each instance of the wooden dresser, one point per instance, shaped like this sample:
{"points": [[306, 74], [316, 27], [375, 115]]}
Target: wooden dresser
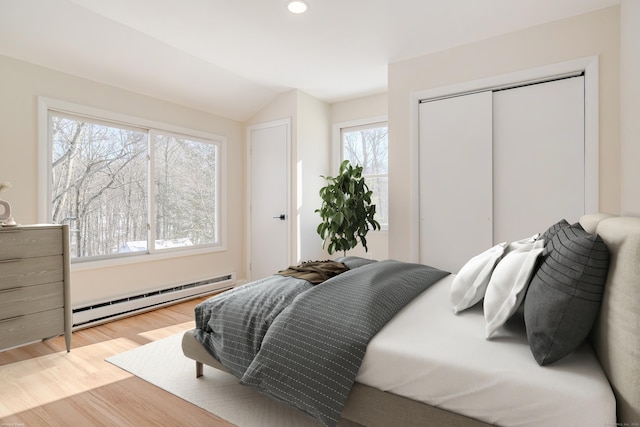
{"points": [[34, 284]]}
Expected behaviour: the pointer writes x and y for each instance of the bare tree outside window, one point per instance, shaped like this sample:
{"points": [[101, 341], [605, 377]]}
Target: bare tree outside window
{"points": [[185, 183], [101, 177], [368, 146]]}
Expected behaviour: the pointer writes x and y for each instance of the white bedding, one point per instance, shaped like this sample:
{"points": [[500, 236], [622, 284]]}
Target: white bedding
{"points": [[428, 353]]}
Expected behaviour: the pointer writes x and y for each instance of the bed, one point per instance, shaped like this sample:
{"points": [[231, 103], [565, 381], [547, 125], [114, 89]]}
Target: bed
{"points": [[429, 366]]}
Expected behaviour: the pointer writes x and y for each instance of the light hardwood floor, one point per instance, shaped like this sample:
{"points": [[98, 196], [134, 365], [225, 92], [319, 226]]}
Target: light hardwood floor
{"points": [[43, 385]]}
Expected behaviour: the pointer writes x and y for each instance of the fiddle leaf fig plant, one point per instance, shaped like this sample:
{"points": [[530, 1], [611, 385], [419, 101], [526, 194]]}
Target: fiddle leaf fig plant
{"points": [[346, 211]]}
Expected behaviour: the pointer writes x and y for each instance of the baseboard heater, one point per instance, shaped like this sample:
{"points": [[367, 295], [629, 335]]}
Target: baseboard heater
{"points": [[91, 315]]}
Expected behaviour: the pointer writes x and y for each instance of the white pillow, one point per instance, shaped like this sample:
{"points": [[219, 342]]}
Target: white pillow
{"points": [[508, 284], [471, 282]]}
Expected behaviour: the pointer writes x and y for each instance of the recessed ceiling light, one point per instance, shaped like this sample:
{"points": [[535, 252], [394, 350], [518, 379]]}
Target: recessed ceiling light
{"points": [[298, 6]]}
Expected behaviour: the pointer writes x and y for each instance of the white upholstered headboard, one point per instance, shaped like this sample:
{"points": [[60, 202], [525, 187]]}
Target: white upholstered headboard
{"points": [[616, 334]]}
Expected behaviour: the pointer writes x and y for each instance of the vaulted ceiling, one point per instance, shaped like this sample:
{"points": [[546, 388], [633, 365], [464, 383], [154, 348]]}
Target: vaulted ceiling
{"points": [[231, 57]]}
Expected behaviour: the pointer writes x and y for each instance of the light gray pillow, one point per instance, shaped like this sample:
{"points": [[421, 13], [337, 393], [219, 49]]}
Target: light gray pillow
{"points": [[509, 281], [565, 294]]}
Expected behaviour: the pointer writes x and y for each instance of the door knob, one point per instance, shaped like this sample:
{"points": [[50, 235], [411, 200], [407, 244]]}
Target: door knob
{"points": [[281, 217]]}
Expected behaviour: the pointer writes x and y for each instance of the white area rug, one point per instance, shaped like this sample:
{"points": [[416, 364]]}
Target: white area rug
{"points": [[162, 363]]}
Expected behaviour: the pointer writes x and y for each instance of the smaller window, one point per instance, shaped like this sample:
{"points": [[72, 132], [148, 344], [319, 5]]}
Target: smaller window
{"points": [[185, 192], [368, 146]]}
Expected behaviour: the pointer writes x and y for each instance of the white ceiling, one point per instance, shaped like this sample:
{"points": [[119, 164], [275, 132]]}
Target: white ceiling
{"points": [[231, 57]]}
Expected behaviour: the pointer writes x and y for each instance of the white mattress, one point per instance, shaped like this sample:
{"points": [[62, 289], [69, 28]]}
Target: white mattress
{"points": [[429, 354]]}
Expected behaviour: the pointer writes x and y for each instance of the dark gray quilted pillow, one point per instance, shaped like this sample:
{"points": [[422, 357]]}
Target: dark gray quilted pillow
{"points": [[564, 295]]}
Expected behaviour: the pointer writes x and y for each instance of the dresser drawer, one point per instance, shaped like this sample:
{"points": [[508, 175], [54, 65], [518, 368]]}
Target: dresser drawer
{"points": [[32, 327], [34, 284], [29, 300], [15, 273], [30, 242]]}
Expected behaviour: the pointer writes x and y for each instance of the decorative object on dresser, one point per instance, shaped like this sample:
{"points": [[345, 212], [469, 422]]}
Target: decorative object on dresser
{"points": [[6, 207], [34, 284]]}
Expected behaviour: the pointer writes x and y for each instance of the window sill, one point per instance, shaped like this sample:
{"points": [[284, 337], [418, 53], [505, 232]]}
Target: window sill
{"points": [[142, 258]]}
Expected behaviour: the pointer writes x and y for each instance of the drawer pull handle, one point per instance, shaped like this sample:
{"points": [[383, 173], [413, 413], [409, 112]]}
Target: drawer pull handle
{"points": [[7, 261]]}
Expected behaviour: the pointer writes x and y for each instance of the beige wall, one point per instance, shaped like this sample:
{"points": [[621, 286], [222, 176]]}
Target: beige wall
{"points": [[586, 35], [282, 107], [21, 84], [360, 108], [313, 141], [630, 105]]}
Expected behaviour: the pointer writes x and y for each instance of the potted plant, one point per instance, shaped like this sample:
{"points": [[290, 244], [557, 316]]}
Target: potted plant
{"points": [[347, 212]]}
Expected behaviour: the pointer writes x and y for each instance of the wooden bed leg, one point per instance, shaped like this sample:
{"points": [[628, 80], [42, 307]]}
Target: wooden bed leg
{"points": [[199, 367]]}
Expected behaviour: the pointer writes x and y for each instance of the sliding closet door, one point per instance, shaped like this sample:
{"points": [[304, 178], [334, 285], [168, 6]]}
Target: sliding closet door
{"points": [[538, 157], [455, 179]]}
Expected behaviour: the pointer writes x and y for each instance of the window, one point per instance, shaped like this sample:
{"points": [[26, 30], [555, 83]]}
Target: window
{"points": [[368, 146], [130, 189]]}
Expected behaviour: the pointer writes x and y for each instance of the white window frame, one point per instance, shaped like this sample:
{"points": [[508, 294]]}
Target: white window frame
{"points": [[336, 152], [45, 105]]}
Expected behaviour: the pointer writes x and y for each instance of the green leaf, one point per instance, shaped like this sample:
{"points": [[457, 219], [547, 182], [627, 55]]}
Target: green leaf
{"points": [[346, 211]]}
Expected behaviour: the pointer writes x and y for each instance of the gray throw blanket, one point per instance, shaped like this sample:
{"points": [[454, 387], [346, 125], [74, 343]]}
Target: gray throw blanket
{"points": [[306, 350]]}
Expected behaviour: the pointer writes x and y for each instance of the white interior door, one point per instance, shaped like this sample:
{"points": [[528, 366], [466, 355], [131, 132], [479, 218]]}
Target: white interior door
{"points": [[455, 180], [269, 204], [538, 157]]}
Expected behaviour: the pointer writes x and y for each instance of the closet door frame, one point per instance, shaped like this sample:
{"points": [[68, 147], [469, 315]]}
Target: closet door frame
{"points": [[587, 65]]}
